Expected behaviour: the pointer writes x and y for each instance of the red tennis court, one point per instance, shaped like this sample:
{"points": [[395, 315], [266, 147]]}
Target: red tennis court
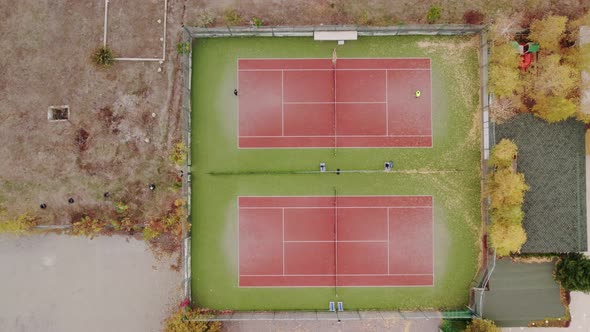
{"points": [[296, 103], [335, 241]]}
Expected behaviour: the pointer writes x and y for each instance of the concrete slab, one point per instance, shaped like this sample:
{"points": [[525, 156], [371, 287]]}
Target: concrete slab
{"points": [[348, 315], [413, 315], [391, 315], [433, 314], [283, 315], [324, 315], [580, 311], [370, 315], [57, 283], [224, 316], [242, 315], [306, 315], [263, 315]]}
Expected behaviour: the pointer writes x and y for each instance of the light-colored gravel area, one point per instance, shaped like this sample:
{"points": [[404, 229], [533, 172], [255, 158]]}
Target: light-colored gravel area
{"points": [[57, 283], [387, 325]]}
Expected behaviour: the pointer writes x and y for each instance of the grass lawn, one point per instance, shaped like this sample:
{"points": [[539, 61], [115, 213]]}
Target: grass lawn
{"points": [[220, 172]]}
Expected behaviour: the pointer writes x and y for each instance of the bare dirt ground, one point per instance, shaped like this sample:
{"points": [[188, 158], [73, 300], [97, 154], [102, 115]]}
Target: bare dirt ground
{"points": [[103, 148], [123, 35], [368, 12], [53, 283]]}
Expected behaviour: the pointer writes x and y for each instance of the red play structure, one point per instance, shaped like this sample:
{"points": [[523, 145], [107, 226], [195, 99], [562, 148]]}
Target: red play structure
{"points": [[525, 61], [526, 51]]}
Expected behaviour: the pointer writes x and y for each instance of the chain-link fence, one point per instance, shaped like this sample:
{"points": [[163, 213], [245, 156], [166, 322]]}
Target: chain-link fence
{"points": [[185, 61], [308, 31], [488, 263]]}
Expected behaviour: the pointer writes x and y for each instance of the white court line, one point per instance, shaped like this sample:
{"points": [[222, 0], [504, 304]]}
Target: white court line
{"points": [[361, 196], [432, 234], [282, 103], [339, 241], [431, 95], [320, 136], [340, 207], [344, 286], [335, 236], [319, 147], [331, 102], [342, 69], [335, 133], [328, 59], [386, 107], [333, 275], [388, 241], [283, 221]]}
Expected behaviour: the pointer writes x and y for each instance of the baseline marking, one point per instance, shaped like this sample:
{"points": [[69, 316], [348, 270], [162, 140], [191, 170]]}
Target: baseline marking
{"points": [[339, 241], [331, 102], [283, 221], [388, 240], [332, 275], [386, 112], [352, 69], [282, 103], [340, 207], [313, 136]]}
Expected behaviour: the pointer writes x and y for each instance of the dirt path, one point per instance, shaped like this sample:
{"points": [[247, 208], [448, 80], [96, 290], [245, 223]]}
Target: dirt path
{"points": [[55, 283]]}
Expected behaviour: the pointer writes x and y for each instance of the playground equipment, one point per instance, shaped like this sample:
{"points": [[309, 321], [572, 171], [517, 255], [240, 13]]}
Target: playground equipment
{"points": [[526, 52]]}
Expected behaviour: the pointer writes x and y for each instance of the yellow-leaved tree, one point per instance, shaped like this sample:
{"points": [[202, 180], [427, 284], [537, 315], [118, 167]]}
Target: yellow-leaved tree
{"points": [[555, 77], [506, 237], [554, 109], [506, 188], [504, 80], [503, 153], [482, 325], [548, 32], [190, 320], [20, 225], [508, 215]]}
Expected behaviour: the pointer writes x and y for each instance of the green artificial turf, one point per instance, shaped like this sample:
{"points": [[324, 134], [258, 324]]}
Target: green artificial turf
{"points": [[221, 172]]}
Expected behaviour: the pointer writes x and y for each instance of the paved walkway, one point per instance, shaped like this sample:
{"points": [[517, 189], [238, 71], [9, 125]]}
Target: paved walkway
{"points": [[54, 283], [389, 325]]}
